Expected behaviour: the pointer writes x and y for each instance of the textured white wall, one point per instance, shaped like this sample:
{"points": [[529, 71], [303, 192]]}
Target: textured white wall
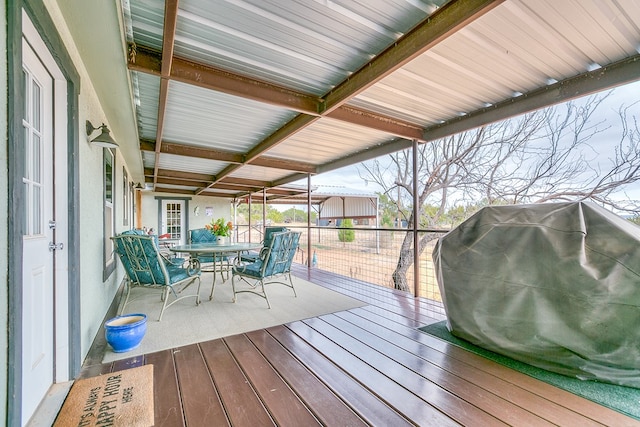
{"points": [[96, 295]]}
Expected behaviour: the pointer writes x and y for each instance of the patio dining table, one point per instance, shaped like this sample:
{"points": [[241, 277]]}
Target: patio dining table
{"points": [[217, 251]]}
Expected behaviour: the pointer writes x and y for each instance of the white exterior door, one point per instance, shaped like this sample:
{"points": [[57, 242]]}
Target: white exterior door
{"points": [[173, 220], [45, 352], [37, 267]]}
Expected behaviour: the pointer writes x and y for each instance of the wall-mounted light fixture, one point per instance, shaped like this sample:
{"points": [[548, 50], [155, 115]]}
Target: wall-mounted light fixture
{"points": [[102, 140], [139, 187]]}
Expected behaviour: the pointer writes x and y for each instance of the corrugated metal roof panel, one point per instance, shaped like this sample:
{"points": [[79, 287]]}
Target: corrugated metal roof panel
{"points": [[147, 22], [148, 159], [313, 45], [202, 117], [305, 45], [327, 140], [519, 47], [178, 187], [260, 173], [190, 164], [148, 87]]}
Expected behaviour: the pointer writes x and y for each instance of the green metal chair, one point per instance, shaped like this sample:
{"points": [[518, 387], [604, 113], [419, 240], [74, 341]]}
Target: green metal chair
{"points": [[146, 267], [266, 242], [272, 266]]}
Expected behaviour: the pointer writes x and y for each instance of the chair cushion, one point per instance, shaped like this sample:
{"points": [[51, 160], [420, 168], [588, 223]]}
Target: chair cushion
{"points": [[269, 232], [249, 256], [253, 270], [177, 274], [201, 235]]}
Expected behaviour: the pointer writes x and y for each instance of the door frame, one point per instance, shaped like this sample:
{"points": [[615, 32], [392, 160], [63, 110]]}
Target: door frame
{"points": [[186, 200], [45, 27]]}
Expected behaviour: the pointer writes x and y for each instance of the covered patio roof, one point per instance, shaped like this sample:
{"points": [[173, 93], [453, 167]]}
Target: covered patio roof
{"points": [[231, 97]]}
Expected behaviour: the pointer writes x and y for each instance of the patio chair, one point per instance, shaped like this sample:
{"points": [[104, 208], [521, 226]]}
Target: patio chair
{"points": [[164, 251], [272, 266], [210, 263], [268, 233], [147, 268]]}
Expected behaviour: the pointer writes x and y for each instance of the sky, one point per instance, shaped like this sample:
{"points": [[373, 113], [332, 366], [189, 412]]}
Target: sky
{"points": [[623, 95]]}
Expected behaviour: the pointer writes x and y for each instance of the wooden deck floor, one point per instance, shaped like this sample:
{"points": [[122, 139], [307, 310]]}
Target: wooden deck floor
{"points": [[366, 366]]}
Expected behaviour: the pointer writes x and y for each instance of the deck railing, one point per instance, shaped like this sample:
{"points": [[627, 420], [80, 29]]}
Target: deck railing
{"points": [[371, 257]]}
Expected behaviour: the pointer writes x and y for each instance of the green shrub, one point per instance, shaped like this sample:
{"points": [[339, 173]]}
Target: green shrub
{"points": [[346, 232]]}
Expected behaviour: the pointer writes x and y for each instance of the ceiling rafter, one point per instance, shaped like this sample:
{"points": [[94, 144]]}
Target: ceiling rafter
{"points": [[178, 181], [225, 156], [359, 116], [191, 179], [246, 182], [192, 151], [168, 36], [161, 189], [169, 173]]}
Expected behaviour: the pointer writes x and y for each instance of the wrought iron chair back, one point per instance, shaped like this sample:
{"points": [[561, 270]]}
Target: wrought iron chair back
{"points": [[266, 242], [146, 267], [273, 263]]}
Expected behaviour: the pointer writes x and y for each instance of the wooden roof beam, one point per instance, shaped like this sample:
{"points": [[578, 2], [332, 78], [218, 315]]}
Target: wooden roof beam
{"points": [[168, 37], [148, 61], [225, 156]]}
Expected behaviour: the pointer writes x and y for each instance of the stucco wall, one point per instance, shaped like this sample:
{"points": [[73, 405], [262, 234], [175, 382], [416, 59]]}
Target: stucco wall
{"points": [[96, 295]]}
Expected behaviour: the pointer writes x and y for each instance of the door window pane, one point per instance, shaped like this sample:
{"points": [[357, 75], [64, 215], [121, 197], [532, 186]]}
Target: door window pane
{"points": [[174, 220], [33, 152]]}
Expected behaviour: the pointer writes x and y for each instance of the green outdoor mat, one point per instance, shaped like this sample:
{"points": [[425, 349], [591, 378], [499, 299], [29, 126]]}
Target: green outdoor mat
{"points": [[619, 398]]}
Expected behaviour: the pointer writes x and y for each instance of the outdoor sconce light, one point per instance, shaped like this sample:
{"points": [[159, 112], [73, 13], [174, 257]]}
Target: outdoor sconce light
{"points": [[139, 187], [102, 140]]}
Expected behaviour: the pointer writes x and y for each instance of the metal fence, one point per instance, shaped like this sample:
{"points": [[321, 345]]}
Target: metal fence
{"points": [[372, 256]]}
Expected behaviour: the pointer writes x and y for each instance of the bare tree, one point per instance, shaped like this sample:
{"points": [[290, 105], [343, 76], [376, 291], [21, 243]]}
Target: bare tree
{"points": [[546, 155]]}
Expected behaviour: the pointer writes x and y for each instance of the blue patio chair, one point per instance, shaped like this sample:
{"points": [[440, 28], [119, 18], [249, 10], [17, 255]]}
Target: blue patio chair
{"points": [[266, 242], [145, 267], [210, 263], [164, 252], [272, 266]]}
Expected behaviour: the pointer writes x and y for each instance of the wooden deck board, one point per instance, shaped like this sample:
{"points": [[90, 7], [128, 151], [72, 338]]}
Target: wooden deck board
{"points": [[243, 406], [326, 406], [200, 399], [366, 404], [475, 394], [167, 405], [472, 377], [553, 398], [366, 366], [408, 403], [284, 405], [433, 394]]}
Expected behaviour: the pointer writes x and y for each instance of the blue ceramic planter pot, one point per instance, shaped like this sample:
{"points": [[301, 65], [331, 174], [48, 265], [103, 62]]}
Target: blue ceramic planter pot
{"points": [[124, 333]]}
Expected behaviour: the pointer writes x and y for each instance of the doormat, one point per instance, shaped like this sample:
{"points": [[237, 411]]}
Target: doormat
{"points": [[123, 398], [617, 397]]}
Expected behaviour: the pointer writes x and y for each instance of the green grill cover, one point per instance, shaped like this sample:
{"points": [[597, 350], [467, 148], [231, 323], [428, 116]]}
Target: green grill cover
{"points": [[554, 285]]}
